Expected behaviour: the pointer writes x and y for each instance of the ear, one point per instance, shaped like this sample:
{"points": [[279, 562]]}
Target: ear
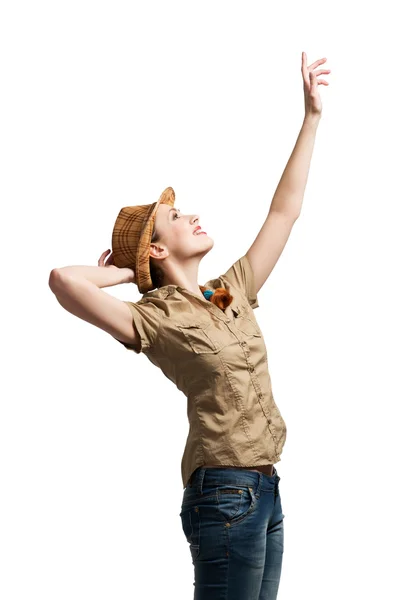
{"points": [[158, 251]]}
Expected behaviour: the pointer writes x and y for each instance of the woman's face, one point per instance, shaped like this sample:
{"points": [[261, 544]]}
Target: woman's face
{"points": [[176, 235]]}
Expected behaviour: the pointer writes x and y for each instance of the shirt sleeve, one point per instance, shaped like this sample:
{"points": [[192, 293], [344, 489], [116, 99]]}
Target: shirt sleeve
{"points": [[146, 320], [241, 275]]}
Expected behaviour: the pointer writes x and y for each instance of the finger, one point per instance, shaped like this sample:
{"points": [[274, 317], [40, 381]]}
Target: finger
{"points": [[314, 83], [110, 260], [322, 81], [321, 71], [313, 80], [102, 257], [304, 69], [316, 63]]}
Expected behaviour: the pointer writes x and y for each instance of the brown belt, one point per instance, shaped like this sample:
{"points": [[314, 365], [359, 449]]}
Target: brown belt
{"points": [[266, 469]]}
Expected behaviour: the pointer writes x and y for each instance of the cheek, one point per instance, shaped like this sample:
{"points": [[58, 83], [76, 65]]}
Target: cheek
{"points": [[186, 235], [181, 240]]}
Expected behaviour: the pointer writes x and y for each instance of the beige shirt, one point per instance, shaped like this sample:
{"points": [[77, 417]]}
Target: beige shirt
{"points": [[218, 359]]}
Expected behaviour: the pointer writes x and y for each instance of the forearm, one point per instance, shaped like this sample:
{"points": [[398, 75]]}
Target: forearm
{"points": [[100, 276], [288, 197]]}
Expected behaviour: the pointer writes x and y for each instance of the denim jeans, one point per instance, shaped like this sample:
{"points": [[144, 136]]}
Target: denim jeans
{"points": [[233, 522]]}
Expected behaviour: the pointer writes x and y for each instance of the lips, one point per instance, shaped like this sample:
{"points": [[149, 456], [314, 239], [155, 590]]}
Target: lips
{"points": [[197, 231]]}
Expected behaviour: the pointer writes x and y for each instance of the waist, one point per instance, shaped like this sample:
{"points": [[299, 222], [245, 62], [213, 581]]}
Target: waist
{"points": [[266, 469]]}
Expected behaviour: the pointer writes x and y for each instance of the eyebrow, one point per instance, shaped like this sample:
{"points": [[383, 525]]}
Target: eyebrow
{"points": [[173, 208]]}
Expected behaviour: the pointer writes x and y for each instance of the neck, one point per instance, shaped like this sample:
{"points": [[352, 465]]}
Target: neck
{"points": [[183, 275]]}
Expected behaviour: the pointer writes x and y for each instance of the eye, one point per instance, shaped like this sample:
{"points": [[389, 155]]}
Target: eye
{"points": [[175, 215]]}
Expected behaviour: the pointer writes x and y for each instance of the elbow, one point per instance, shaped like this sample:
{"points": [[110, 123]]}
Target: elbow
{"points": [[54, 280]]}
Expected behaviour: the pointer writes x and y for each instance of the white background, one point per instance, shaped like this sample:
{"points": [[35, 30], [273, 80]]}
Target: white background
{"points": [[105, 104]]}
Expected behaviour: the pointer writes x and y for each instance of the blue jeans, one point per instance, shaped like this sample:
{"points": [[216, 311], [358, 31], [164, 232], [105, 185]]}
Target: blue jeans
{"points": [[233, 522]]}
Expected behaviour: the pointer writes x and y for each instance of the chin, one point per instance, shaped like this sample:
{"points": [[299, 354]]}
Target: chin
{"points": [[209, 246], [204, 247], [210, 242]]}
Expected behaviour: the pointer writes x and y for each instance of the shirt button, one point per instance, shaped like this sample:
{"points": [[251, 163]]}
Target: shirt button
{"points": [[251, 369], [242, 343], [269, 421]]}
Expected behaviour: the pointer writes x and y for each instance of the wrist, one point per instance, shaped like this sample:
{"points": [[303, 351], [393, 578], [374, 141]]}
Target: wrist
{"points": [[127, 274], [312, 119]]}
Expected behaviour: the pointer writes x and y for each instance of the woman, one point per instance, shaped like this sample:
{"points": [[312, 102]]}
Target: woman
{"points": [[207, 341]]}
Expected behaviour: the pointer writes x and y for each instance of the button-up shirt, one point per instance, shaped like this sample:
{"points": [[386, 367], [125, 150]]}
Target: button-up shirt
{"points": [[218, 359]]}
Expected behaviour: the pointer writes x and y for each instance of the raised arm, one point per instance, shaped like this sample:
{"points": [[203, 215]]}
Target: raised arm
{"points": [[286, 203]]}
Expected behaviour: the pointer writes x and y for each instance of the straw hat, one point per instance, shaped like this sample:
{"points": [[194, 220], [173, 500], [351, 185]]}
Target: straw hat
{"points": [[131, 238]]}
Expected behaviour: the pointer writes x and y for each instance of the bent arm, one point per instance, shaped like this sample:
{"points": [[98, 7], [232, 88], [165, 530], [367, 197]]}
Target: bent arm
{"points": [[100, 276], [85, 300]]}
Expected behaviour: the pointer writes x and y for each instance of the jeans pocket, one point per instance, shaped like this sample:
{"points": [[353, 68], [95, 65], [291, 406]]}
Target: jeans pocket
{"points": [[190, 519], [235, 502]]}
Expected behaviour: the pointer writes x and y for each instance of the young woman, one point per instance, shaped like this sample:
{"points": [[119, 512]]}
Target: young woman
{"points": [[207, 341]]}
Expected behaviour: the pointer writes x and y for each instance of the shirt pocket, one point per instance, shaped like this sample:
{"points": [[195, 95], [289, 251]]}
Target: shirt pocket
{"points": [[203, 338], [245, 320]]}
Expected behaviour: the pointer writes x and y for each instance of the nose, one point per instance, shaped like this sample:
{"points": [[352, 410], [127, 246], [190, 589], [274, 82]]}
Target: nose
{"points": [[194, 218]]}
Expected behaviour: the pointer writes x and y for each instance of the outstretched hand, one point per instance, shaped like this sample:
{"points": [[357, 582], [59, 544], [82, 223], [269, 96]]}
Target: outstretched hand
{"points": [[312, 100]]}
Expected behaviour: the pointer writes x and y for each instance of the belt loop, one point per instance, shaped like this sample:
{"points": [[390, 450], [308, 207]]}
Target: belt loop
{"points": [[259, 485], [202, 472]]}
